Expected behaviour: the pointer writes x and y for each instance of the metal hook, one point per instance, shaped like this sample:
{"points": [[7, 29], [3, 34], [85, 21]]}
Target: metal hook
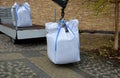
{"points": [[63, 4]]}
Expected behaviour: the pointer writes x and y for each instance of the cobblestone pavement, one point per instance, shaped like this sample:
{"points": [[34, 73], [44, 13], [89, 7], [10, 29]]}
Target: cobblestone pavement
{"points": [[28, 59]]}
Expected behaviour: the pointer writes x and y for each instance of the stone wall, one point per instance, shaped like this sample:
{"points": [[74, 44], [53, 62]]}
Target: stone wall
{"points": [[43, 11]]}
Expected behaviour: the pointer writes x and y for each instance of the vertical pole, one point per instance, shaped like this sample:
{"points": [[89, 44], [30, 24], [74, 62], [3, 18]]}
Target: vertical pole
{"points": [[15, 18], [116, 25], [55, 15], [15, 22]]}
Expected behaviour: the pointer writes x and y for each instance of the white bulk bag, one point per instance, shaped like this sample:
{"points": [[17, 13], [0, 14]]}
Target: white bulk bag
{"points": [[63, 47], [22, 15]]}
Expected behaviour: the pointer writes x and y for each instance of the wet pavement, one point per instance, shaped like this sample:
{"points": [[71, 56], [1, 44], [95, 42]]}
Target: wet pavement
{"points": [[28, 59]]}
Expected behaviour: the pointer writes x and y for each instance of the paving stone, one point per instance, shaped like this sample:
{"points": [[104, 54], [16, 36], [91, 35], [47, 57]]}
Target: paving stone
{"points": [[55, 71], [97, 69], [32, 54], [20, 69], [33, 63], [25, 45], [11, 56]]}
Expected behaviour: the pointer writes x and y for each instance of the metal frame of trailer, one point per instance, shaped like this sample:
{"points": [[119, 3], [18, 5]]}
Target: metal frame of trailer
{"points": [[20, 33]]}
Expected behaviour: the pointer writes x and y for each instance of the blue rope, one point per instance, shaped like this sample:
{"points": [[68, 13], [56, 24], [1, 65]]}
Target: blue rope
{"points": [[58, 35], [26, 8], [59, 29], [16, 9]]}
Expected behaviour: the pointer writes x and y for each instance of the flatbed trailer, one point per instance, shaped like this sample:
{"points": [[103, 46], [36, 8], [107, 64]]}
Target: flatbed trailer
{"points": [[20, 33]]}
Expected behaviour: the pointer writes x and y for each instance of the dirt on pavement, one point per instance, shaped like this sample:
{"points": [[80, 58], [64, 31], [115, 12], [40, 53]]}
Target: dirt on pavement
{"points": [[100, 45]]}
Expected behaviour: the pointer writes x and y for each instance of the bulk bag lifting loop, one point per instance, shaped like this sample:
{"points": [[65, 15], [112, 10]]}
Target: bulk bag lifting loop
{"points": [[63, 4]]}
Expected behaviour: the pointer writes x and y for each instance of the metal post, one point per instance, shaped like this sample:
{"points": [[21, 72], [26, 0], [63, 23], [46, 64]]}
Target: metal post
{"points": [[15, 18], [55, 15], [15, 21]]}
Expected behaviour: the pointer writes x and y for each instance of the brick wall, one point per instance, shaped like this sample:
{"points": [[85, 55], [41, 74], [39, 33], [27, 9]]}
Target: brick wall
{"points": [[43, 11]]}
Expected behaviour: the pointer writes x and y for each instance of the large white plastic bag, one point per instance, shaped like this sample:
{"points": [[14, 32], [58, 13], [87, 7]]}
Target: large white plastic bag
{"points": [[22, 16], [65, 49]]}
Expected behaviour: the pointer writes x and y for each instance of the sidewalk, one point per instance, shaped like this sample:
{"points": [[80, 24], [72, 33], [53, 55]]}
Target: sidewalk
{"points": [[29, 60]]}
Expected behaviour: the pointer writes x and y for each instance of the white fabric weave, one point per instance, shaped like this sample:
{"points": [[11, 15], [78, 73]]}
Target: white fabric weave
{"points": [[63, 47]]}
